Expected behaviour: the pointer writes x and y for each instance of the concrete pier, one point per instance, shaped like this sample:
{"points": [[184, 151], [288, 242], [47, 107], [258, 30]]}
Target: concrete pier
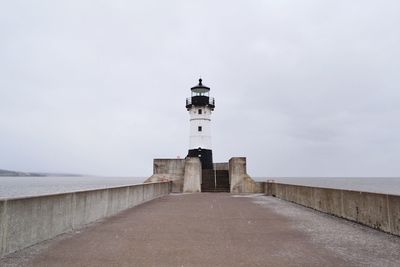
{"points": [[217, 230], [29, 220], [379, 211]]}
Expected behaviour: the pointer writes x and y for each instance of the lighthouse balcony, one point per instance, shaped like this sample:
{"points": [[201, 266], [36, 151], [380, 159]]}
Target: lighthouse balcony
{"points": [[200, 101]]}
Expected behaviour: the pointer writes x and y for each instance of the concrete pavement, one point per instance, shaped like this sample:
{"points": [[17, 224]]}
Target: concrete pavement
{"points": [[218, 229]]}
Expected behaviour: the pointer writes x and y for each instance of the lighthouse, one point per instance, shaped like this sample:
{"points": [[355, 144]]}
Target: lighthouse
{"points": [[197, 172], [200, 107]]}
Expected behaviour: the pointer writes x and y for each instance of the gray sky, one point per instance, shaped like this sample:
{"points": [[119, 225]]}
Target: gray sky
{"points": [[302, 88]]}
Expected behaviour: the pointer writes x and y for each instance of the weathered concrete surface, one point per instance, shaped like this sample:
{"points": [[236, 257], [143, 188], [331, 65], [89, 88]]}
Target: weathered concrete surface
{"points": [[174, 170], [379, 211], [3, 226], [221, 166], [169, 170], [356, 244], [192, 177], [240, 181], [219, 230], [29, 220], [394, 213]]}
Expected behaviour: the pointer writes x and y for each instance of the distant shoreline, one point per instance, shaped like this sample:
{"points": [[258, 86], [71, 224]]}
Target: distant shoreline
{"points": [[7, 173]]}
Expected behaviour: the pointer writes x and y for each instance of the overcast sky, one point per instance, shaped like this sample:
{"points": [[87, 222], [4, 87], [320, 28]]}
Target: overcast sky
{"points": [[302, 88]]}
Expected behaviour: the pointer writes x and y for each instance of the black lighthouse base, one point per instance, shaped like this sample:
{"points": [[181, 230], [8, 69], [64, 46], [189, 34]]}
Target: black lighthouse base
{"points": [[205, 156]]}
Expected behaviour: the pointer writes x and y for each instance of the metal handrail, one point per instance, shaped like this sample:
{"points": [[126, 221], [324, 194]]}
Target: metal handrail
{"points": [[211, 101]]}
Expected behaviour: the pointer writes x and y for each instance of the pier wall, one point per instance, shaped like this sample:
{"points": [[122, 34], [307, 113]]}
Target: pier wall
{"points": [[221, 166], [379, 211], [240, 181], [29, 220], [186, 175], [169, 170], [192, 177]]}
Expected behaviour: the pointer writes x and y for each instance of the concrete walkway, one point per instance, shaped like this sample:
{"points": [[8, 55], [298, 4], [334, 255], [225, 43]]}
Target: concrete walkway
{"points": [[219, 230]]}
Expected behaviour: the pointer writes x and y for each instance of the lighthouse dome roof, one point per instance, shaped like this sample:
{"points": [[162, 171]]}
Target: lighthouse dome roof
{"points": [[200, 88]]}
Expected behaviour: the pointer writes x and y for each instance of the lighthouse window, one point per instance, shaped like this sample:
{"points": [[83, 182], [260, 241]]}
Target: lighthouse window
{"points": [[200, 111], [200, 128]]}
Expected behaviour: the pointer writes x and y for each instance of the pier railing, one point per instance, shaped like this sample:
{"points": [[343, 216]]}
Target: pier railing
{"points": [[29, 220], [379, 211], [200, 101]]}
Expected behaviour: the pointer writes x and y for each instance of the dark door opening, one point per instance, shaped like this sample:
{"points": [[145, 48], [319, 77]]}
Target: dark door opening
{"points": [[215, 181]]}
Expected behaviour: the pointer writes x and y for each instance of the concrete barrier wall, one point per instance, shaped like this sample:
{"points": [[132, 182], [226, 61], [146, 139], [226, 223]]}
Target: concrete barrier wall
{"points": [[379, 211], [26, 221], [169, 170], [221, 166], [240, 181], [192, 178]]}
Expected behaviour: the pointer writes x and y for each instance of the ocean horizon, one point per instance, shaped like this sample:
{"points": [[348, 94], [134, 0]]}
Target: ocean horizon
{"points": [[11, 187]]}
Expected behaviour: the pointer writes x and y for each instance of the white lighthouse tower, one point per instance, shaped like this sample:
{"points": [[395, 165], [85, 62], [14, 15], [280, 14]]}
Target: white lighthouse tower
{"points": [[200, 106]]}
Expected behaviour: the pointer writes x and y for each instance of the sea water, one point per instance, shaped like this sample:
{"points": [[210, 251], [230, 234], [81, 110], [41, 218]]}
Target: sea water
{"points": [[33, 186], [385, 185]]}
